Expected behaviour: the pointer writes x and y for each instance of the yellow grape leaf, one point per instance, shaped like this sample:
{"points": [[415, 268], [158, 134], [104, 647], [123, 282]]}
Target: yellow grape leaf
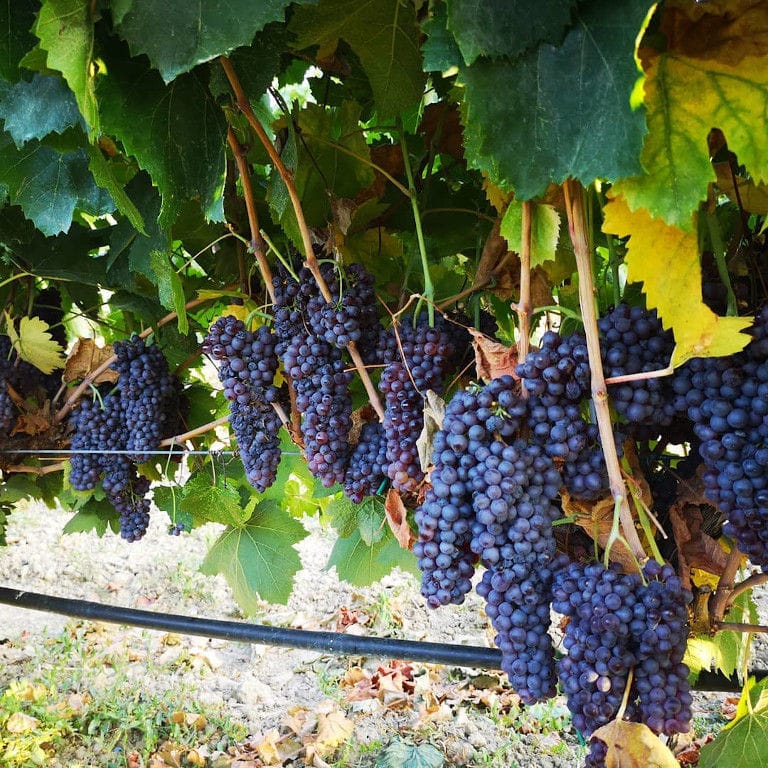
{"points": [[35, 344], [685, 98], [666, 260], [333, 728], [545, 230], [19, 722], [634, 745]]}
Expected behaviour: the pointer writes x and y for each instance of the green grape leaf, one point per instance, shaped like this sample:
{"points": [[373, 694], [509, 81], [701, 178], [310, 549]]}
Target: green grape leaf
{"points": [[343, 514], [545, 230], [177, 35], [362, 565], [371, 520], [215, 502], [726, 650], [104, 175], [94, 515], [49, 185], [321, 167], [685, 99], [176, 133], [566, 94], [169, 288], [500, 28], [744, 740], [16, 20], [402, 754], [258, 560], [666, 260], [65, 30], [33, 109], [439, 51], [383, 34], [256, 64]]}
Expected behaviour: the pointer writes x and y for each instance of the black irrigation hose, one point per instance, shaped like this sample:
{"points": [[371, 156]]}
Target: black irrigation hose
{"points": [[330, 642]]}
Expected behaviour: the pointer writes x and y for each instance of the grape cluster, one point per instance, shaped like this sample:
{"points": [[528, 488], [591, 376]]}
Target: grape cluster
{"points": [[421, 361], [367, 468], [112, 433], [634, 341], [247, 365], [557, 378], [148, 395], [727, 401], [444, 518], [620, 622]]}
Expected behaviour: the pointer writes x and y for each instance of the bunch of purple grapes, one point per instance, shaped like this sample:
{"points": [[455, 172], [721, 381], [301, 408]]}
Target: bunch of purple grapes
{"points": [[247, 365]]}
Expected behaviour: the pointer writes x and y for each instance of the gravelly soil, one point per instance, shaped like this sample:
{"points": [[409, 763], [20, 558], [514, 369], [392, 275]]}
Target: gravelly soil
{"points": [[261, 686]]}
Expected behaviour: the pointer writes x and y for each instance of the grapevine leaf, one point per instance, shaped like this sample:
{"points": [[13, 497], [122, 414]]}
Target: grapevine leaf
{"points": [[440, 51], [542, 117], [370, 520], [322, 168], [32, 110], [743, 741], [104, 176], [177, 36], [665, 258], [94, 515], [65, 30], [219, 503], [16, 20], [726, 650], [362, 565], [255, 65], [634, 745], [343, 514], [258, 560], [49, 185], [500, 28], [401, 754], [169, 288], [545, 230], [176, 133], [382, 33], [685, 98], [35, 344]]}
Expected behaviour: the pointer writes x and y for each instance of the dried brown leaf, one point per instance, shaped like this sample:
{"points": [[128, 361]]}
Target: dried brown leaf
{"points": [[596, 518], [397, 518], [86, 357], [492, 359]]}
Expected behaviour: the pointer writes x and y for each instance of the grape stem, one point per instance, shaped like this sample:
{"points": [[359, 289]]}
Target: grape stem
{"points": [[578, 229], [737, 626], [256, 245], [523, 307], [201, 430], [723, 595], [311, 262], [429, 289], [25, 468], [642, 375]]}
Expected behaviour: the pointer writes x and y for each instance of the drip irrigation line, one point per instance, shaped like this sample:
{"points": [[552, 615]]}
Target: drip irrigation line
{"points": [[330, 642]]}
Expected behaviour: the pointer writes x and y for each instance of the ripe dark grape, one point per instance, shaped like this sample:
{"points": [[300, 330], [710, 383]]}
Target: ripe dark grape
{"points": [[247, 365], [634, 341], [148, 395], [133, 505], [600, 605], [727, 401], [445, 517], [367, 468], [418, 361]]}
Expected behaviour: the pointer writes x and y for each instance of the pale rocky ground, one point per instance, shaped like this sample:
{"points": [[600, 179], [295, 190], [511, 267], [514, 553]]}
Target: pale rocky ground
{"points": [[259, 686]]}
